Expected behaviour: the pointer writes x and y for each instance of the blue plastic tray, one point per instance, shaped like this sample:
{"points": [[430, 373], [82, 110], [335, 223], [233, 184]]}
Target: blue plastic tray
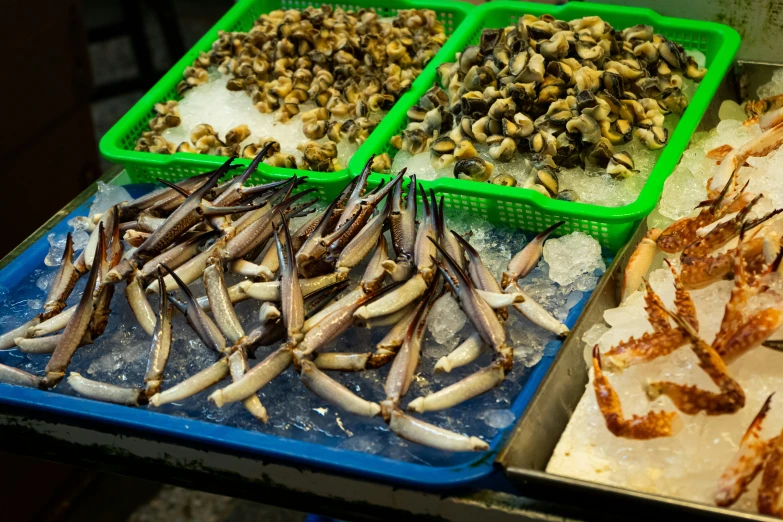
{"points": [[17, 284]]}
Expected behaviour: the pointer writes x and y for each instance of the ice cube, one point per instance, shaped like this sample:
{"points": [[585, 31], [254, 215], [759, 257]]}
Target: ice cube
{"points": [[445, 320], [681, 193], [571, 256], [498, 418], [701, 59], [107, 196], [774, 86], [45, 280], [56, 249], [80, 234], [731, 110]]}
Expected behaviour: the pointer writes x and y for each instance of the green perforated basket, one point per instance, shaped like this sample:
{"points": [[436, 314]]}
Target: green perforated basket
{"points": [[117, 145], [527, 208]]}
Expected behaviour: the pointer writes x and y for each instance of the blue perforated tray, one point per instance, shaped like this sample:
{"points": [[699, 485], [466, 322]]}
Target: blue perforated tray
{"points": [[17, 284]]}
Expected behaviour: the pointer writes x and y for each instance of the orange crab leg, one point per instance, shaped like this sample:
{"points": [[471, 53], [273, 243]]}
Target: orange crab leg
{"points": [[664, 339], [682, 299], [755, 331], [718, 153], [769, 501], [759, 146], [682, 232], [723, 232], [755, 108], [692, 400], [737, 334], [652, 425], [747, 463], [702, 271], [652, 305]]}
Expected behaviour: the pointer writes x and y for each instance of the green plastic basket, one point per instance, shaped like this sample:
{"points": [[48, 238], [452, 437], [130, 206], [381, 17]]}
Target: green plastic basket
{"points": [[117, 145], [528, 209]]}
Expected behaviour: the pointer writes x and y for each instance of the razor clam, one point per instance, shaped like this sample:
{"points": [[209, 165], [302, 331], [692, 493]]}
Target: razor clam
{"points": [[335, 393], [101, 391], [414, 287], [161, 346], [207, 331], [402, 221], [77, 327]]}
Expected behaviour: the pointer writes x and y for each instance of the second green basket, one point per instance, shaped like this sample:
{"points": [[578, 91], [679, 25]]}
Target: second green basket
{"points": [[612, 226]]}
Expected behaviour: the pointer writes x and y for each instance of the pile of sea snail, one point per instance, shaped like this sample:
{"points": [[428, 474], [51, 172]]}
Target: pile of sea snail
{"points": [[568, 92], [199, 229], [349, 66]]}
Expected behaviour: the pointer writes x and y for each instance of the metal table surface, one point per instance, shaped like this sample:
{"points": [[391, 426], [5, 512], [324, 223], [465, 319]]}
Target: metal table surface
{"points": [[103, 448]]}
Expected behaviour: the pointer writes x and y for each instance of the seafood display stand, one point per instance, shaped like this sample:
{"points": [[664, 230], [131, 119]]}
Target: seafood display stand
{"points": [[32, 423]]}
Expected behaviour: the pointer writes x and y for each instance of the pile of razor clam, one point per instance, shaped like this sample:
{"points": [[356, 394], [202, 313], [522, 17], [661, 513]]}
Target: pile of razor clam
{"points": [[317, 81], [307, 294], [545, 95]]}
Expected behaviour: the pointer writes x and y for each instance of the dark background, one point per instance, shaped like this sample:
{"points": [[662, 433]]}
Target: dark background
{"points": [[75, 67]]}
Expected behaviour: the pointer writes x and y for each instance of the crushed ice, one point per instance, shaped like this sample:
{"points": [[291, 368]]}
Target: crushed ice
{"points": [[446, 319], [56, 249], [572, 256], [107, 196]]}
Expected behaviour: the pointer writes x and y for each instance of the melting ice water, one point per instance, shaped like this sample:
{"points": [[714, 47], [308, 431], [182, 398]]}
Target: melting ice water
{"points": [[120, 357]]}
